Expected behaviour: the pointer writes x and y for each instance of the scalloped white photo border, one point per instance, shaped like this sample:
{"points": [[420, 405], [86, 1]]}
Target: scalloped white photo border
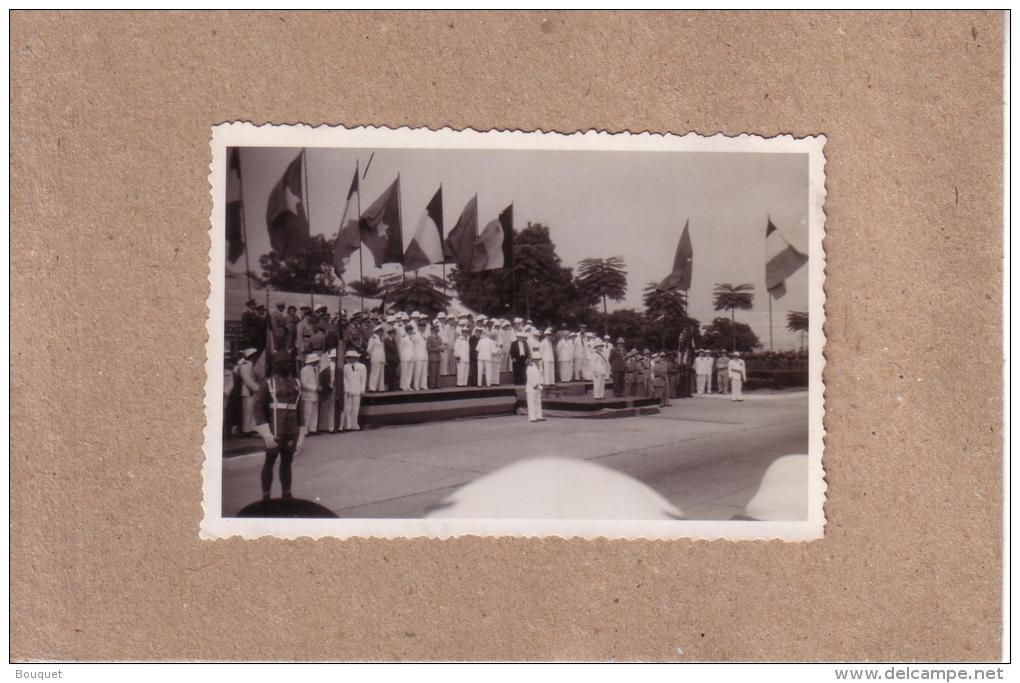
{"points": [[239, 134]]}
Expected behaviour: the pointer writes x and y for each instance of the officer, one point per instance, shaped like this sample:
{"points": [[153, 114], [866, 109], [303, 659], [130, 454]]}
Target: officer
{"points": [[420, 357], [461, 356], [310, 392], [354, 387], [548, 357], [599, 369], [519, 355], [738, 374], [630, 375], [405, 348], [565, 355], [722, 372], [580, 351], [305, 330], [392, 356], [327, 391], [533, 391], [660, 377], [250, 324], [279, 420], [376, 359], [436, 347], [245, 372], [647, 362], [618, 366]]}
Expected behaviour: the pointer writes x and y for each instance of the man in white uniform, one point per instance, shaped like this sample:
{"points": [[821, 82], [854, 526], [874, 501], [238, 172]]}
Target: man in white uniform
{"points": [[462, 357], [565, 356], [405, 349], [738, 374], [245, 372], [376, 359], [419, 380], [533, 391], [310, 392], [702, 370], [548, 357], [486, 365], [579, 352], [447, 334], [354, 387], [599, 369]]}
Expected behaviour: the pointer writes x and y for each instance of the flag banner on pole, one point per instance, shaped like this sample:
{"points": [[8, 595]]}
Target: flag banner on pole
{"points": [[494, 246], [234, 226], [380, 227], [683, 263], [348, 239], [460, 243], [426, 247], [781, 261], [285, 213], [506, 219]]}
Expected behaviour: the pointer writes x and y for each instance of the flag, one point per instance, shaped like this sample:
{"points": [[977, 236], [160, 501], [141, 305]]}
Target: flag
{"points": [[494, 247], [348, 239], [286, 213], [427, 246], [683, 263], [460, 243], [380, 227], [234, 220], [782, 261]]}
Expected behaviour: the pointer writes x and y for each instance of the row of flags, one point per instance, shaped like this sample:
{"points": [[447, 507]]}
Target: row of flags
{"points": [[781, 261], [378, 228]]}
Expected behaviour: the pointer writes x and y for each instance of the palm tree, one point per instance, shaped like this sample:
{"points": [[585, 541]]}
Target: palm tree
{"points": [[664, 303], [421, 293], [369, 287], [797, 321], [731, 297], [602, 279]]}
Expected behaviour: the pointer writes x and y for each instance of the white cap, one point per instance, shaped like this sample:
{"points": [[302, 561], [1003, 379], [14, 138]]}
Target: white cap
{"points": [[441, 316], [352, 354], [518, 321], [248, 352], [312, 358]]}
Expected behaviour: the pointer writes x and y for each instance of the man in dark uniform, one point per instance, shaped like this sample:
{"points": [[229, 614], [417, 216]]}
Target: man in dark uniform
{"points": [[392, 358], [250, 325], [519, 355], [476, 334], [618, 367], [280, 422]]}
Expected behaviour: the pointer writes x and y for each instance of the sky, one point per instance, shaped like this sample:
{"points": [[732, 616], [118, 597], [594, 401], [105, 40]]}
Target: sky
{"points": [[597, 204]]}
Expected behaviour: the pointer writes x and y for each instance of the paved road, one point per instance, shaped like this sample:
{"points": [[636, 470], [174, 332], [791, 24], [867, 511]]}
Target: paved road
{"points": [[706, 455]]}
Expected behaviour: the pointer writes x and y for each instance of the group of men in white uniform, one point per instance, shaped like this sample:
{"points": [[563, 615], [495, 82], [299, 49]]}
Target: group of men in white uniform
{"points": [[730, 372]]}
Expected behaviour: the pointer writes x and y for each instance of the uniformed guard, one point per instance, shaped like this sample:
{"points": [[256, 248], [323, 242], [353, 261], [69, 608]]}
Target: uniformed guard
{"points": [[533, 390], [354, 387], [630, 374], [245, 372], [738, 374], [279, 420], [310, 392], [599, 369], [722, 368]]}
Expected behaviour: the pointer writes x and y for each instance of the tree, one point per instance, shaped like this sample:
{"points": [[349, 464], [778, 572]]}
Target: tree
{"points": [[417, 293], [723, 332], [369, 287], [601, 280], [797, 321], [309, 270], [731, 297], [539, 286]]}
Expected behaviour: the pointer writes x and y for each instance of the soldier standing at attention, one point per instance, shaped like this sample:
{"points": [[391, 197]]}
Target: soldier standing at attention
{"points": [[354, 387], [519, 355], [599, 369], [392, 358], [630, 375], [405, 347], [533, 391], [436, 347], [738, 373], [461, 357], [279, 420], [548, 357], [310, 393], [376, 359], [419, 372], [618, 366], [327, 391], [660, 380], [722, 372], [579, 354], [249, 389], [250, 324], [565, 354]]}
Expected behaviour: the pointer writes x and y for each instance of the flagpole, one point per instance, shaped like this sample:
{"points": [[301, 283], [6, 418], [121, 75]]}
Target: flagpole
{"points": [[769, 295], [361, 261], [442, 243], [244, 226], [400, 224]]}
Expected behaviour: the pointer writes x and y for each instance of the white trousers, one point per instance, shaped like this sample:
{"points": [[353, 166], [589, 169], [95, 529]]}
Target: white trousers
{"points": [[311, 411], [445, 361], [599, 390], [566, 370], [493, 372], [406, 374], [421, 375], [549, 372], [376, 376], [737, 387], [352, 406], [463, 370], [702, 383], [534, 404], [485, 368]]}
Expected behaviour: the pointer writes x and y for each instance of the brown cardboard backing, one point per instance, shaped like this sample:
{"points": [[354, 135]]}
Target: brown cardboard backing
{"points": [[111, 116]]}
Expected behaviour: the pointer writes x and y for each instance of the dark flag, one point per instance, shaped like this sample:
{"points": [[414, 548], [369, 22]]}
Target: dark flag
{"points": [[460, 243], [782, 261], [494, 248], [348, 239], [380, 227], [234, 219], [426, 247], [286, 213], [683, 263]]}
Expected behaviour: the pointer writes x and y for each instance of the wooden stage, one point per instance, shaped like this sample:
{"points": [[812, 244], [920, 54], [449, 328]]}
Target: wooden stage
{"points": [[572, 399]]}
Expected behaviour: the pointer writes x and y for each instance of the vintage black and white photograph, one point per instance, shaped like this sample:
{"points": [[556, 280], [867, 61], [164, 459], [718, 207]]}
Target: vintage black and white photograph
{"points": [[438, 333]]}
